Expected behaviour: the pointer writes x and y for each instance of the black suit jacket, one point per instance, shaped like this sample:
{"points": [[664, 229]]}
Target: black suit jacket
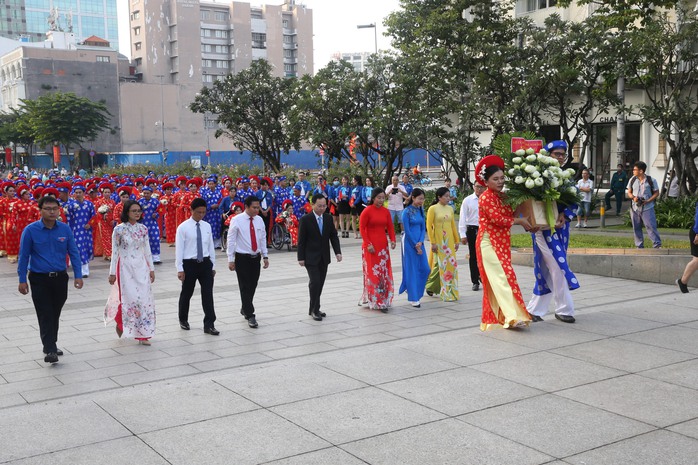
{"points": [[314, 248]]}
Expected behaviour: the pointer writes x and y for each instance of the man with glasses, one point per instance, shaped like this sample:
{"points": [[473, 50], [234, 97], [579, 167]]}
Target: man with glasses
{"points": [[42, 251]]}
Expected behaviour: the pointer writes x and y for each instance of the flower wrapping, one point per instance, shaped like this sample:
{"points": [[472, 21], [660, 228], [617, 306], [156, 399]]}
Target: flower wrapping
{"points": [[538, 178]]}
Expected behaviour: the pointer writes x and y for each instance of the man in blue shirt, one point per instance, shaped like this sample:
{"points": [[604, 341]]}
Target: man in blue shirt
{"points": [[42, 251]]}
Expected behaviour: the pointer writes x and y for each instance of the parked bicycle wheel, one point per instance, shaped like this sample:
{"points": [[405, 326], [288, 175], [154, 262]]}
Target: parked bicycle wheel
{"points": [[278, 234]]}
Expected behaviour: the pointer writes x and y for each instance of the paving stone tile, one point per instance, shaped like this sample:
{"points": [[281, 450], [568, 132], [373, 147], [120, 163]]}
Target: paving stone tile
{"points": [[231, 362], [688, 428], [125, 451], [247, 349], [612, 324], [648, 449], [655, 310], [292, 383], [677, 338], [73, 424], [172, 403], [12, 399], [546, 371], [149, 353], [446, 442], [544, 336], [643, 399], [465, 348], [240, 446], [356, 414], [298, 351], [444, 391], [155, 375], [623, 355], [186, 359], [361, 340], [68, 390], [538, 422], [333, 455], [417, 331], [383, 365], [107, 372], [29, 385]]}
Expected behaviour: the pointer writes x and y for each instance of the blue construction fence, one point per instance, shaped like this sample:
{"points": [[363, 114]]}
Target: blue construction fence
{"points": [[307, 159]]}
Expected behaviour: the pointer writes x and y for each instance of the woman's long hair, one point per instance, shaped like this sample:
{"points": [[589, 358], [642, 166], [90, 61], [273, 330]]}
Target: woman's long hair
{"points": [[440, 192], [416, 192]]}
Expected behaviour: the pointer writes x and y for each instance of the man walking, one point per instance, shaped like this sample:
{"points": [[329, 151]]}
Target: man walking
{"points": [[643, 191], [195, 258], [42, 251], [247, 247], [316, 233], [396, 197], [618, 183], [468, 226]]}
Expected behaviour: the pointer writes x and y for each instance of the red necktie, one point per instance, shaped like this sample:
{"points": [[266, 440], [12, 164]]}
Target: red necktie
{"points": [[253, 236]]}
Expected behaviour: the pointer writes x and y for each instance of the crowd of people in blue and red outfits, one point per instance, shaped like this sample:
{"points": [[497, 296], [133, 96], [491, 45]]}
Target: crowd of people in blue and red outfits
{"points": [[92, 206]]}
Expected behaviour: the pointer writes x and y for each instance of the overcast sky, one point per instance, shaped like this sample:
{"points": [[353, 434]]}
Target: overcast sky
{"points": [[334, 24]]}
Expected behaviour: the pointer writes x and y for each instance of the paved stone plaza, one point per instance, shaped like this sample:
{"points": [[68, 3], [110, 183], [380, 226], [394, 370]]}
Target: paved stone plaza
{"points": [[415, 386]]}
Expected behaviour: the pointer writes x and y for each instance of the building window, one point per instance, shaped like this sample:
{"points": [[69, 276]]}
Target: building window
{"points": [[533, 5], [221, 49], [135, 15], [206, 48], [289, 53], [137, 31], [221, 16], [205, 33], [102, 59], [205, 15], [285, 22], [221, 34], [288, 39], [290, 68], [207, 78], [137, 45], [222, 64], [206, 63], [259, 40], [138, 61]]}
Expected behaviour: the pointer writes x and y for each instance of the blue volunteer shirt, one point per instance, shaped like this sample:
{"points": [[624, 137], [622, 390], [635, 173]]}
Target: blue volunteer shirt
{"points": [[43, 250]]}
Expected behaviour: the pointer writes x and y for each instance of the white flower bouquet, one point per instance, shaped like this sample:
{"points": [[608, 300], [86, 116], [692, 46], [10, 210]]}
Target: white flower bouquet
{"points": [[164, 201], [103, 209], [536, 176]]}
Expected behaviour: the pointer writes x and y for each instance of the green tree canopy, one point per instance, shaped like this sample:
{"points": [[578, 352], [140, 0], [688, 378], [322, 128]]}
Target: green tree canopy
{"points": [[252, 108]]}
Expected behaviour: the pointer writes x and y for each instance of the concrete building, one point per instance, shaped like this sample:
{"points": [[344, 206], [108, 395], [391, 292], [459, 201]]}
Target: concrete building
{"points": [[29, 19], [92, 70], [642, 141], [357, 59], [179, 46]]}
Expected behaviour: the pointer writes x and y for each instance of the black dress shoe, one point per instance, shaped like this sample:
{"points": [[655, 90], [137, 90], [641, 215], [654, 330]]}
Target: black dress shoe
{"points": [[323, 314], [51, 357], [536, 318], [384, 310], [682, 286], [476, 287], [252, 322], [212, 331], [565, 318], [157, 263], [429, 293], [59, 352], [316, 316], [184, 325]]}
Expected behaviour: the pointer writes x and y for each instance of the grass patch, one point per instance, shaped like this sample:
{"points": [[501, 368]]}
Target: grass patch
{"points": [[597, 241], [620, 227]]}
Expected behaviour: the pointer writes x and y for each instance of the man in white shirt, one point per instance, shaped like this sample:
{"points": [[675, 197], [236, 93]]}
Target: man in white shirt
{"points": [[247, 247], [468, 225], [195, 258], [396, 200], [585, 186]]}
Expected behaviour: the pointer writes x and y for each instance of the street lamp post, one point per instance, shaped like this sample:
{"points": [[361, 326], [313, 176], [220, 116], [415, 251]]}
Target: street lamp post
{"points": [[162, 118], [375, 33]]}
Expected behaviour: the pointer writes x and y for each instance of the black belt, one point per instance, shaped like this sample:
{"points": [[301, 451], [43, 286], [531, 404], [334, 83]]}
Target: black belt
{"points": [[50, 274], [472, 227], [257, 255], [195, 260]]}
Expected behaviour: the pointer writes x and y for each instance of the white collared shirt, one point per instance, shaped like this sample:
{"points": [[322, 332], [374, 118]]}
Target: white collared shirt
{"points": [[239, 240], [469, 214], [185, 242]]}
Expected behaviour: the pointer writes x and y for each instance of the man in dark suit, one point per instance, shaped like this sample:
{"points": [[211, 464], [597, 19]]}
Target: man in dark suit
{"points": [[316, 233]]}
